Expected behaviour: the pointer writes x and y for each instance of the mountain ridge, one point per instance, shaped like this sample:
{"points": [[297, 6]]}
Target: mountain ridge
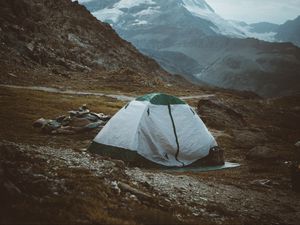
{"points": [[168, 31], [60, 40]]}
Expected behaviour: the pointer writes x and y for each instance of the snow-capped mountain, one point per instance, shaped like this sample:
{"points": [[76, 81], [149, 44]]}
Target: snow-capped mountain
{"points": [[261, 31], [131, 14], [187, 37]]}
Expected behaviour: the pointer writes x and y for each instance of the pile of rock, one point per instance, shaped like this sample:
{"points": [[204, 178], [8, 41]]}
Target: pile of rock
{"points": [[80, 120]]}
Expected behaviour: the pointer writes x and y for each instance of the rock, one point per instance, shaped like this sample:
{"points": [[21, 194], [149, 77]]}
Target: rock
{"points": [[108, 164], [79, 122], [262, 153], [115, 187], [248, 139], [40, 123], [30, 46], [12, 75], [264, 183], [297, 144], [50, 126], [219, 115], [134, 191], [134, 198], [119, 163]]}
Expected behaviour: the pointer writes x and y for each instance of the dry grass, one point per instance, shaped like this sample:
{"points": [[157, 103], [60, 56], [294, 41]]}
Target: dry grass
{"points": [[20, 108]]}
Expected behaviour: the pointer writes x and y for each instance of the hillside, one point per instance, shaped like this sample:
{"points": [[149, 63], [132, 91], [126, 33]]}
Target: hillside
{"points": [[60, 42], [290, 31]]}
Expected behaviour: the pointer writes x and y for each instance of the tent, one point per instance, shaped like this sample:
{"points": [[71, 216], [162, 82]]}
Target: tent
{"points": [[157, 127]]}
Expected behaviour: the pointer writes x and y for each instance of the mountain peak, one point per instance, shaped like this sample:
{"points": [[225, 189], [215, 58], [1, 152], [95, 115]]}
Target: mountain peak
{"points": [[197, 6], [126, 14]]}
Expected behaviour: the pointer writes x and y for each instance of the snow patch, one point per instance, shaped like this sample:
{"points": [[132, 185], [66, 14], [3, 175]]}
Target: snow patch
{"points": [[246, 29], [131, 3], [197, 6], [201, 9], [114, 13], [147, 12], [108, 14], [139, 22]]}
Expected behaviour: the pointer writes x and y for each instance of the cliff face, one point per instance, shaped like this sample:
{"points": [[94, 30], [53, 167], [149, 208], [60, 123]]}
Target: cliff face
{"points": [[42, 38]]}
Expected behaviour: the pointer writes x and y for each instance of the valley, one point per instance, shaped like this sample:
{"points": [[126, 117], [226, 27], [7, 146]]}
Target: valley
{"points": [[188, 38]]}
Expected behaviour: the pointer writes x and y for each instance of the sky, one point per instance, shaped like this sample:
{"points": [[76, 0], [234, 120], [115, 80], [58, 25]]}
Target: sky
{"points": [[253, 11]]}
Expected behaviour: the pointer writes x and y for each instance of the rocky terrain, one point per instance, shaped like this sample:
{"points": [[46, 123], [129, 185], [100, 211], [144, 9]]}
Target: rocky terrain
{"points": [[60, 41], [52, 179], [55, 57]]}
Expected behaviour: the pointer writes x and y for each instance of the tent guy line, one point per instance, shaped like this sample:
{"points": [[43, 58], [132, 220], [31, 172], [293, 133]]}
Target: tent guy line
{"points": [[119, 97]]}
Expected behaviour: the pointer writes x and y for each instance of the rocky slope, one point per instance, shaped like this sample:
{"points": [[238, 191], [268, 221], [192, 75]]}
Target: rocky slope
{"points": [[188, 37], [290, 31], [59, 39]]}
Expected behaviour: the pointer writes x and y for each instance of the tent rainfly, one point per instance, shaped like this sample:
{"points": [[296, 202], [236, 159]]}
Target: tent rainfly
{"points": [[158, 127]]}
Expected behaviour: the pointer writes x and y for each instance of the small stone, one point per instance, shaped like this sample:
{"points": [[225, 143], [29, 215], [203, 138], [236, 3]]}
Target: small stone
{"points": [[297, 144], [196, 214], [264, 182], [204, 199], [133, 197], [108, 164], [115, 186]]}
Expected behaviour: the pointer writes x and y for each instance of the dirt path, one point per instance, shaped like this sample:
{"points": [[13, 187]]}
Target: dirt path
{"points": [[119, 97]]}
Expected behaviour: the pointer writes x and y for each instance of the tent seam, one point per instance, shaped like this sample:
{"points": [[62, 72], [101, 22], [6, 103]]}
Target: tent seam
{"points": [[175, 133], [139, 123]]}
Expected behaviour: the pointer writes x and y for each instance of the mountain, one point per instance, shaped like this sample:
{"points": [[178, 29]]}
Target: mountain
{"points": [[47, 40], [264, 27], [129, 15], [290, 31], [189, 38], [287, 32], [262, 31]]}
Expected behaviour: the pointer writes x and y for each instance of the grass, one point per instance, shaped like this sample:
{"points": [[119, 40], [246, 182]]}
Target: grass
{"points": [[20, 108]]}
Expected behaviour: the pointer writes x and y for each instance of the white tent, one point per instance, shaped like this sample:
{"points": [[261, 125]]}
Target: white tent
{"points": [[158, 127]]}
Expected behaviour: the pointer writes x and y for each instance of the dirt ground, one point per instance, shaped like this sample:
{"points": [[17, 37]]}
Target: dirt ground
{"points": [[52, 179]]}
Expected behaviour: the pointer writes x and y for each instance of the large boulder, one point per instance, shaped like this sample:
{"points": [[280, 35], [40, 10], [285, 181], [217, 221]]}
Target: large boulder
{"points": [[219, 115], [262, 153], [249, 138]]}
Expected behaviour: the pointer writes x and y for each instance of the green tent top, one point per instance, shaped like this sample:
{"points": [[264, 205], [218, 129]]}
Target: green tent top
{"points": [[161, 99]]}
